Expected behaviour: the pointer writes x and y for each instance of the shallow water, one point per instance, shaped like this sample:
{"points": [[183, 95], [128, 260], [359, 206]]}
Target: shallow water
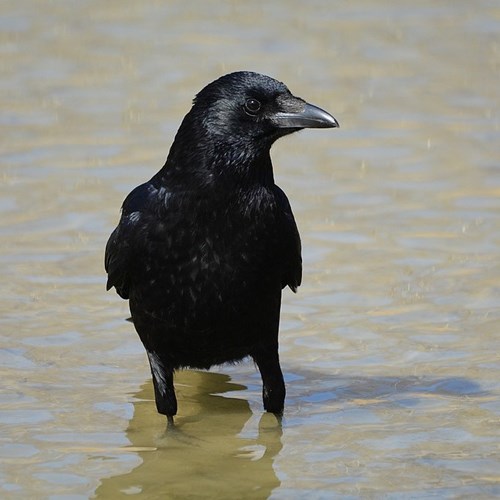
{"points": [[390, 348]]}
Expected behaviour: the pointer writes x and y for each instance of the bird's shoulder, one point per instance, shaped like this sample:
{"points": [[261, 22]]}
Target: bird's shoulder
{"points": [[282, 201], [140, 220], [292, 248]]}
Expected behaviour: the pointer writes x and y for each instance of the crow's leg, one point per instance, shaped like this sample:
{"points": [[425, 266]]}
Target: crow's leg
{"points": [[273, 386], [163, 382]]}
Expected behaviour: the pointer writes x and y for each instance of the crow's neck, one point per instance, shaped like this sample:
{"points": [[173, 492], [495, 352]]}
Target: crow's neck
{"points": [[217, 162]]}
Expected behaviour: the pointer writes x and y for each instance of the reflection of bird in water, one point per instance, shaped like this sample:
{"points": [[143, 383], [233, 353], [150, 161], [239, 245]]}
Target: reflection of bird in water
{"points": [[204, 455]]}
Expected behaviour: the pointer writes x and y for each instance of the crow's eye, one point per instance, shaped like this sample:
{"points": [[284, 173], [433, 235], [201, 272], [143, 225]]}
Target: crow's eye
{"points": [[252, 106]]}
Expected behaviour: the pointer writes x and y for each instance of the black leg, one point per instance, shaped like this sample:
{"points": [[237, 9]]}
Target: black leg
{"points": [[273, 386], [163, 382]]}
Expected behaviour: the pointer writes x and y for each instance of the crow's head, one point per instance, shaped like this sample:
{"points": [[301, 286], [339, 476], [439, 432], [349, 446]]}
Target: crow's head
{"points": [[250, 106], [232, 124]]}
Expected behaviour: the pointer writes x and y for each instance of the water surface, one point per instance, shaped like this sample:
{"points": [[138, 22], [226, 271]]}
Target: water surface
{"points": [[390, 348]]}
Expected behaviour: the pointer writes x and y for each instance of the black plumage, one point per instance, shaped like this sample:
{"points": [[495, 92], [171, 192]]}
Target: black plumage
{"points": [[203, 250]]}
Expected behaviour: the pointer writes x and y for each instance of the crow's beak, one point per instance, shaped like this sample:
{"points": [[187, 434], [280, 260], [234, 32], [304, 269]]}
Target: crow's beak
{"points": [[309, 116]]}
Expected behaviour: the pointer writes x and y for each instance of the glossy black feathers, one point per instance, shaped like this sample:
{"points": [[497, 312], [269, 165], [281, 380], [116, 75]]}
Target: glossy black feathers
{"points": [[204, 248]]}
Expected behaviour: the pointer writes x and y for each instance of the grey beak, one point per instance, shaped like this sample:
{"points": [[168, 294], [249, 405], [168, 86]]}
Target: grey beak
{"points": [[309, 116]]}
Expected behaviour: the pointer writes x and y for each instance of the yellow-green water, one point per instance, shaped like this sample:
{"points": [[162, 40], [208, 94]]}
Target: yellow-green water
{"points": [[391, 347]]}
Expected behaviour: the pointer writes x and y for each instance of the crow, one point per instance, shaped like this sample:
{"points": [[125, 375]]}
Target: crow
{"points": [[203, 250]]}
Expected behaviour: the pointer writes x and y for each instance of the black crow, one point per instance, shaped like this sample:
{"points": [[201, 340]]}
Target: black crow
{"points": [[203, 249]]}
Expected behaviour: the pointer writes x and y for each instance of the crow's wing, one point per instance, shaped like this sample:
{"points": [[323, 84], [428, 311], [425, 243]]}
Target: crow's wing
{"points": [[126, 241], [118, 257], [291, 247]]}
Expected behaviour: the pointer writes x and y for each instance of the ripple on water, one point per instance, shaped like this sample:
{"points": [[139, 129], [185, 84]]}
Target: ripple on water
{"points": [[25, 417]]}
